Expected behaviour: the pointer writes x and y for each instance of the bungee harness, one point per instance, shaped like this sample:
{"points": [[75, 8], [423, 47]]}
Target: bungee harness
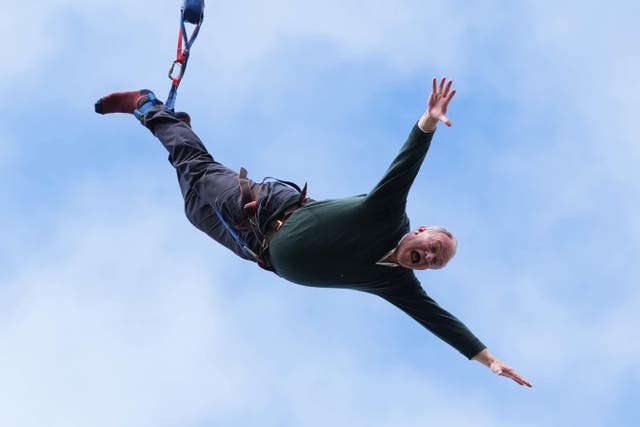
{"points": [[192, 12], [250, 209]]}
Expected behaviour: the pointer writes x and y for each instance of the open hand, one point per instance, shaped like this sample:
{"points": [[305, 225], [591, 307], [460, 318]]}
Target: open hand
{"points": [[437, 104], [499, 367], [504, 370], [439, 100]]}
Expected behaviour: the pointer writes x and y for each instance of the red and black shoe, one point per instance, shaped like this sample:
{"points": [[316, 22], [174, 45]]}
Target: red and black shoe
{"points": [[135, 102]]}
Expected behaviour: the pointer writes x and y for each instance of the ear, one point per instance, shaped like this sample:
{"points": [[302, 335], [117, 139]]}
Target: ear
{"points": [[421, 229]]}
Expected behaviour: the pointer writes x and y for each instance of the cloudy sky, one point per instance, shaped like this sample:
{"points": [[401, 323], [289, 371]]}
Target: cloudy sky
{"points": [[115, 311]]}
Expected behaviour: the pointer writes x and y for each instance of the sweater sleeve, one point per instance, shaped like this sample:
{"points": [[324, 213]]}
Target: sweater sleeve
{"points": [[412, 299], [393, 188]]}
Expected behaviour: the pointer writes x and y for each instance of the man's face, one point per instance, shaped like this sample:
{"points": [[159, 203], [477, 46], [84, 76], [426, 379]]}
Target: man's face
{"points": [[422, 249]]}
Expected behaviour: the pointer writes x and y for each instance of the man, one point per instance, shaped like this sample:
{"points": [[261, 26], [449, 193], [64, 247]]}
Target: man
{"points": [[362, 242]]}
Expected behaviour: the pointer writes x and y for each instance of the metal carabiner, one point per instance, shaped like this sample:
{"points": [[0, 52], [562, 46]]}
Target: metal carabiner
{"points": [[180, 65], [193, 13]]}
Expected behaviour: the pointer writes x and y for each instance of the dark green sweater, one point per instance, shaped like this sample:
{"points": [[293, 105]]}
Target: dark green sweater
{"points": [[337, 243]]}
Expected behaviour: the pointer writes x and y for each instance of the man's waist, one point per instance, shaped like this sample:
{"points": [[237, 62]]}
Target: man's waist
{"points": [[274, 225]]}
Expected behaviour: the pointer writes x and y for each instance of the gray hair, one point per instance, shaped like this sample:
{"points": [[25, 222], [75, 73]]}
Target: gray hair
{"points": [[434, 229]]}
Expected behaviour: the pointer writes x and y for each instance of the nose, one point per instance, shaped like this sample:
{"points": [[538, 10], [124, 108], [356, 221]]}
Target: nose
{"points": [[428, 256]]}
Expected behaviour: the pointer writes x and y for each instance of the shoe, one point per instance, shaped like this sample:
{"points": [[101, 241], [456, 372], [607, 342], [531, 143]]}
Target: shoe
{"points": [[132, 102]]}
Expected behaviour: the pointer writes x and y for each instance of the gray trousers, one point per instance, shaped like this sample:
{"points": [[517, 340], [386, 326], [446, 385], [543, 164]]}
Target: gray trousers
{"points": [[208, 185]]}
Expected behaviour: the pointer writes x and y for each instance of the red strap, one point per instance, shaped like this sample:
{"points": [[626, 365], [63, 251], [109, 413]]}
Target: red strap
{"points": [[181, 58], [179, 55]]}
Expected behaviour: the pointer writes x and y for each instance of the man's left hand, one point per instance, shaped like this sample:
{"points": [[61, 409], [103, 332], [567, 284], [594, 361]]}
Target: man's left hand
{"points": [[505, 370], [437, 105], [499, 367]]}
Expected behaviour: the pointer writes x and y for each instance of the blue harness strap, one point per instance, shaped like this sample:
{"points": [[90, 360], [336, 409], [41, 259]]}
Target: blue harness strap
{"points": [[192, 12], [235, 236]]}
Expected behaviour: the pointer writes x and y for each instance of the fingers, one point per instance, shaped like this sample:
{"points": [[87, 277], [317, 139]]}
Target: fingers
{"points": [[518, 379], [504, 370], [523, 381], [447, 88], [510, 373], [441, 95], [450, 95], [442, 89]]}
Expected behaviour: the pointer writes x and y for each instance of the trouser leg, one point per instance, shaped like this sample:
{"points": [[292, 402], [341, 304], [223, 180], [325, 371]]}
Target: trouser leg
{"points": [[187, 154], [205, 183]]}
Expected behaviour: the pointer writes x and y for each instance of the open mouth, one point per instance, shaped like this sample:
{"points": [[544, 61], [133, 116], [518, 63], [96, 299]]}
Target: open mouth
{"points": [[415, 257]]}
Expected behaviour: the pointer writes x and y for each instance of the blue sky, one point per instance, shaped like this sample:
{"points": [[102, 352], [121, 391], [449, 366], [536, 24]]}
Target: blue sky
{"points": [[114, 310]]}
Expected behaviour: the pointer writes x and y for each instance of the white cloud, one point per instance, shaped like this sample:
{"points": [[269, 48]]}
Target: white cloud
{"points": [[125, 315], [9, 155], [8, 151], [548, 242], [244, 40], [123, 310], [29, 44], [68, 41], [357, 28]]}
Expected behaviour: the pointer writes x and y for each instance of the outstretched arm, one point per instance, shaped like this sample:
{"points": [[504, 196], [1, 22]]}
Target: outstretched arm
{"points": [[437, 105], [499, 367], [406, 293], [391, 192]]}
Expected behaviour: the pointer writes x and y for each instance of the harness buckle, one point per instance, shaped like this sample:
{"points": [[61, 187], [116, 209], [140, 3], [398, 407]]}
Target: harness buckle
{"points": [[250, 208]]}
